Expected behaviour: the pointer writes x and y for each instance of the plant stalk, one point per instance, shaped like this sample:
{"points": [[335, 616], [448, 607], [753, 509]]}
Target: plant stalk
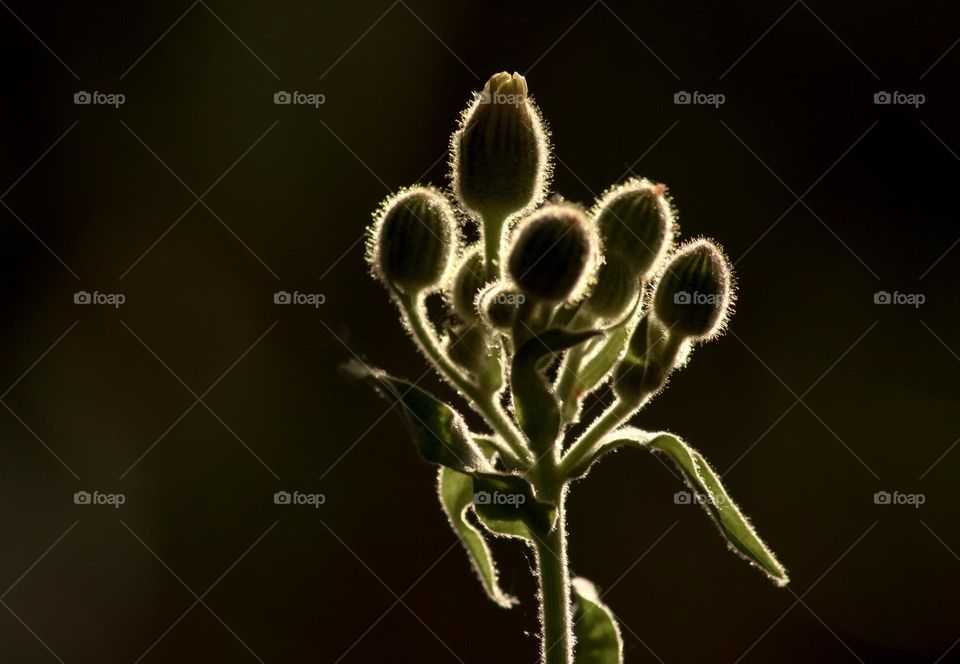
{"points": [[554, 576]]}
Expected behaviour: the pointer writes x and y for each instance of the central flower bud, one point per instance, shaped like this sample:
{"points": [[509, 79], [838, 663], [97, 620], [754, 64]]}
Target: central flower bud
{"points": [[636, 221], [500, 163], [553, 253], [694, 293]]}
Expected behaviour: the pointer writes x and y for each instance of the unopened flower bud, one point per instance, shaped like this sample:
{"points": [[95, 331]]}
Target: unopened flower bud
{"points": [[635, 220], [500, 153], [553, 253], [651, 356], [499, 306], [467, 346], [615, 289], [467, 284], [694, 292], [413, 240]]}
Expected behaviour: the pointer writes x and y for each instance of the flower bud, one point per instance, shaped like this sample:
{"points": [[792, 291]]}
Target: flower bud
{"points": [[499, 307], [500, 153], [467, 284], [651, 356], [413, 240], [694, 292], [635, 220], [553, 253], [615, 289], [467, 346]]}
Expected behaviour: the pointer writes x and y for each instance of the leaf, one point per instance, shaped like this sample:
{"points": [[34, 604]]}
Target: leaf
{"points": [[595, 628], [438, 431], [535, 404], [508, 505], [456, 497], [706, 485]]}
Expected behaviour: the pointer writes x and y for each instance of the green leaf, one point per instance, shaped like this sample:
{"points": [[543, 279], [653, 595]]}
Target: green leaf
{"points": [[535, 404], [456, 497], [438, 431], [508, 505], [595, 628], [705, 484]]}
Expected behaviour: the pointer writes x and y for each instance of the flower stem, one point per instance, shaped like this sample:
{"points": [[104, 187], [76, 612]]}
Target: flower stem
{"points": [[554, 576], [600, 427], [492, 230]]}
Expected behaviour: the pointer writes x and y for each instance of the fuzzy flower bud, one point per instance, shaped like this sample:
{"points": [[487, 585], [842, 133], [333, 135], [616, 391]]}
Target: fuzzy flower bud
{"points": [[553, 253], [652, 354], [499, 307], [635, 220], [413, 240], [500, 153], [467, 284], [694, 292], [616, 288]]}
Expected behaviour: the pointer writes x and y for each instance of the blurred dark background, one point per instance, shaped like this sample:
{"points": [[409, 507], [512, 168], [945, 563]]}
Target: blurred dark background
{"points": [[200, 565]]}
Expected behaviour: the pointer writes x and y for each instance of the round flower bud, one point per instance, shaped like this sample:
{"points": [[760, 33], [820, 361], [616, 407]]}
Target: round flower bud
{"points": [[467, 284], [413, 240], [694, 292], [553, 253], [499, 307], [615, 289], [635, 220], [652, 354], [500, 154]]}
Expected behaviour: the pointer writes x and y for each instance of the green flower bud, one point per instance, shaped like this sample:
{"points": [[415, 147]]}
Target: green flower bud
{"points": [[499, 307], [635, 220], [694, 292], [467, 284], [500, 152], [553, 254], [615, 289], [412, 240], [652, 354]]}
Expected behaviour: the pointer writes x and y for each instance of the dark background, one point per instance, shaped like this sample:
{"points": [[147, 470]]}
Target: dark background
{"points": [[878, 384]]}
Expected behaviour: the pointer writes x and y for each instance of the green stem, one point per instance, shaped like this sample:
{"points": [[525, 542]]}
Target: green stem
{"points": [[492, 230], [484, 404], [600, 427], [554, 573], [569, 381]]}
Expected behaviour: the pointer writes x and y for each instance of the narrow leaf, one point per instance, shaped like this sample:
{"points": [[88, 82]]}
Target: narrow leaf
{"points": [[456, 497], [508, 505], [712, 495], [438, 431], [595, 628], [536, 405]]}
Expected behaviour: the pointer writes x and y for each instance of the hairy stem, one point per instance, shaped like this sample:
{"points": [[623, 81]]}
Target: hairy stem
{"points": [[600, 427], [554, 576], [569, 380], [492, 230], [485, 404]]}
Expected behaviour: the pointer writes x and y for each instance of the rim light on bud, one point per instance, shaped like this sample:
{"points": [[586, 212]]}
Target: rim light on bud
{"points": [[694, 294], [413, 240], [553, 254], [500, 154], [636, 220]]}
